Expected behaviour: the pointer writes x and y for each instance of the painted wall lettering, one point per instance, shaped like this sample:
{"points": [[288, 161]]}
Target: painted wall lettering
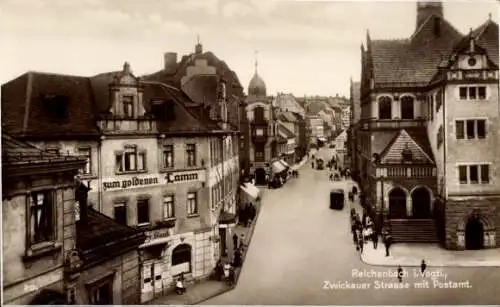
{"points": [[129, 183]]}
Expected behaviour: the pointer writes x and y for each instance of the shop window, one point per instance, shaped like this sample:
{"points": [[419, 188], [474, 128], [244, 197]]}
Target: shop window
{"points": [[101, 293], [182, 255]]}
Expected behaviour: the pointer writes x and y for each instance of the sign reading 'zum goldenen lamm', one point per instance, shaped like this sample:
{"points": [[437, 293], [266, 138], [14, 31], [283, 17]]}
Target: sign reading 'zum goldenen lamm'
{"points": [[130, 183]]}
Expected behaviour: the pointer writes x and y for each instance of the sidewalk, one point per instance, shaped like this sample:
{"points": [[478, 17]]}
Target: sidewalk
{"points": [[203, 290], [411, 254]]}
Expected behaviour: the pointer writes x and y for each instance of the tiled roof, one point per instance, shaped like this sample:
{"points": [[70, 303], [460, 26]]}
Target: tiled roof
{"points": [[418, 135], [185, 121], [288, 117], [102, 236], [285, 132], [413, 60], [487, 37], [202, 89], [25, 110]]}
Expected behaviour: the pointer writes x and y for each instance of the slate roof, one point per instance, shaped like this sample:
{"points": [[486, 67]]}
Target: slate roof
{"points": [[102, 237], [24, 110], [486, 36], [413, 60]]}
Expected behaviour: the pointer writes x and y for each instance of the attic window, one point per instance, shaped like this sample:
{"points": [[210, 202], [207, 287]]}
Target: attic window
{"points": [[57, 105], [406, 154], [162, 110]]}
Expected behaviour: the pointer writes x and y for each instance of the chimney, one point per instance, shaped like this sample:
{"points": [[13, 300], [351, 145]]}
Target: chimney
{"points": [[170, 60], [81, 197], [425, 9]]}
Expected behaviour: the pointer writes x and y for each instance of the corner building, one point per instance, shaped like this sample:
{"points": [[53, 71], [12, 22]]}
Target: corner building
{"points": [[427, 141]]}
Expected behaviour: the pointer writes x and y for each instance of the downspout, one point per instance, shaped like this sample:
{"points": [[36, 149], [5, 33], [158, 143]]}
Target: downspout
{"points": [[99, 171], [445, 190]]}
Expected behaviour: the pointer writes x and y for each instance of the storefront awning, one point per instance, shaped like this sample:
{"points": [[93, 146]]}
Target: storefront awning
{"points": [[286, 165], [155, 242], [277, 167], [251, 190]]}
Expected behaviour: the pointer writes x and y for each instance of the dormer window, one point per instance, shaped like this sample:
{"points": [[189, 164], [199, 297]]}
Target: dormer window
{"points": [[406, 154], [57, 105], [128, 106]]}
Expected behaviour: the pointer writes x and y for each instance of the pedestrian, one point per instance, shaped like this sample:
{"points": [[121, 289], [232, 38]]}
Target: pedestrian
{"points": [[423, 265], [387, 243], [232, 277], [312, 164], [400, 274], [179, 286], [235, 241], [242, 241], [237, 261], [227, 268], [375, 239]]}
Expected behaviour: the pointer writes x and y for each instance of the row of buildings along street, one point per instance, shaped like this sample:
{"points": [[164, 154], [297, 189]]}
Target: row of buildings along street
{"points": [[166, 162]]}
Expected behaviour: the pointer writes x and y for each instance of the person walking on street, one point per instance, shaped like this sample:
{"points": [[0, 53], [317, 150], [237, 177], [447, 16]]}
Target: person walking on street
{"points": [[232, 277], [235, 241], [387, 243], [423, 266], [400, 274], [242, 242], [375, 239]]}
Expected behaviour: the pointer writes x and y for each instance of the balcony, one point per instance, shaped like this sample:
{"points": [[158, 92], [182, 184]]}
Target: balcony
{"points": [[401, 172], [472, 75], [120, 125], [376, 124]]}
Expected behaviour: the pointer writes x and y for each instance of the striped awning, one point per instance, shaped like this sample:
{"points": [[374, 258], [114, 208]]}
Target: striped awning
{"points": [[277, 167]]}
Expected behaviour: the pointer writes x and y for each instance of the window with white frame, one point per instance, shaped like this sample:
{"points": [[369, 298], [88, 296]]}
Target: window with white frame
{"points": [[191, 154], [130, 160], [128, 106], [41, 218], [142, 211], [474, 174], [472, 92], [120, 213], [470, 129], [168, 156], [87, 154], [168, 207], [192, 203]]}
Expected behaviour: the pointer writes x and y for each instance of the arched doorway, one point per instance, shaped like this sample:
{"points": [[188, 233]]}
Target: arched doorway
{"points": [[181, 255], [260, 176], [397, 204], [474, 234], [421, 200]]}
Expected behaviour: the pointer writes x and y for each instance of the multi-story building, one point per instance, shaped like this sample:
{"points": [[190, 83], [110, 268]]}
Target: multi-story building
{"points": [[429, 136], [71, 254], [268, 138], [288, 103], [345, 118], [355, 114], [151, 162], [315, 128]]}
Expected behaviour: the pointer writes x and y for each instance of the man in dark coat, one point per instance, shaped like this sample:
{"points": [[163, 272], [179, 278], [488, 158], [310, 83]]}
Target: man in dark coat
{"points": [[375, 239], [237, 259], [235, 241]]}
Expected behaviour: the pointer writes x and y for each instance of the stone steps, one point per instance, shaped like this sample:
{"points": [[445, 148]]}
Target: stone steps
{"points": [[414, 231]]}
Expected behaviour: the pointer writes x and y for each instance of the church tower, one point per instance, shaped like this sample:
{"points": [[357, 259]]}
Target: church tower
{"points": [[427, 8]]}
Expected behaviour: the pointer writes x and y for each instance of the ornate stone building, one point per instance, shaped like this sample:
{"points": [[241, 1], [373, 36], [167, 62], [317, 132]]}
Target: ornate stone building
{"points": [[428, 139]]}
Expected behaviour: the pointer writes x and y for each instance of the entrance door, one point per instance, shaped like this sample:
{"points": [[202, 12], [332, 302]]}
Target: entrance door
{"points": [[474, 234], [421, 201], [397, 204], [147, 292], [158, 278], [260, 176]]}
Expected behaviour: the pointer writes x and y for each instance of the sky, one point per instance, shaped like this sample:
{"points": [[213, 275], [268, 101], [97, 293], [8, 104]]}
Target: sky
{"points": [[303, 47]]}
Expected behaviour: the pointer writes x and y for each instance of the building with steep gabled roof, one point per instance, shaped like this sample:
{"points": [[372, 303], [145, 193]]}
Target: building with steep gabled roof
{"points": [[428, 132], [156, 161]]}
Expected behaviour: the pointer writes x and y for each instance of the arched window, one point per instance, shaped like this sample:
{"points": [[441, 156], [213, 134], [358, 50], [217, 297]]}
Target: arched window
{"points": [[182, 254], [258, 114], [384, 108], [407, 107]]}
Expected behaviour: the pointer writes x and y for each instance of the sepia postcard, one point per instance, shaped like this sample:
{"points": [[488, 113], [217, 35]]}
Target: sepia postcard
{"points": [[250, 152]]}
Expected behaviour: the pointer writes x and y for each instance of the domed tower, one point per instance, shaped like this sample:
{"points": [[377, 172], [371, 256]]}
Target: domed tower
{"points": [[257, 87]]}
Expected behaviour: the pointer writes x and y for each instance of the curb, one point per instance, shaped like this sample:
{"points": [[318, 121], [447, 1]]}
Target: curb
{"points": [[229, 288], [429, 265]]}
